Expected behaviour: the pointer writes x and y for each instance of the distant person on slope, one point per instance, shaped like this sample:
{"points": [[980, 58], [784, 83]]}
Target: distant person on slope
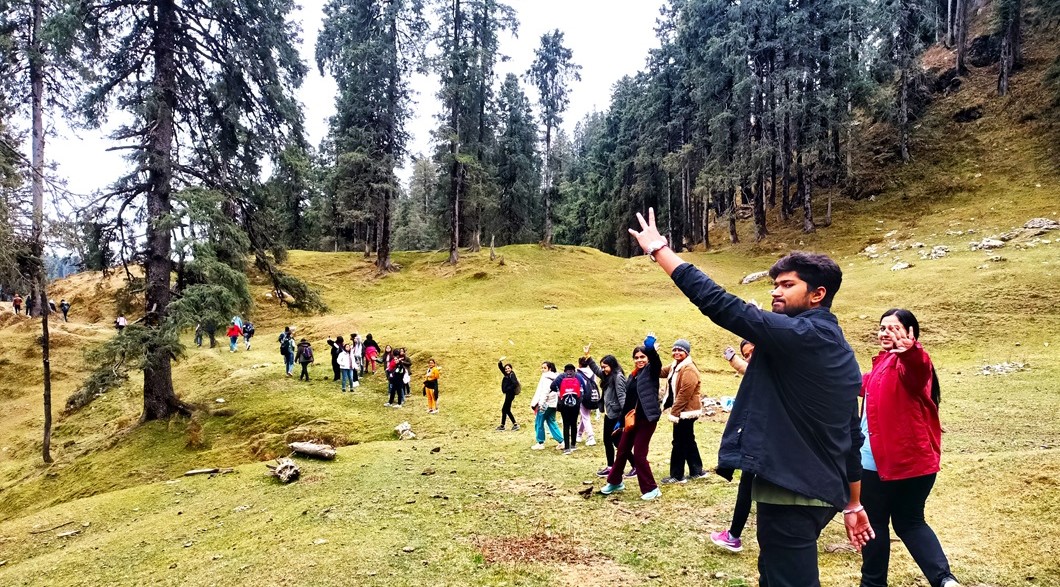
{"points": [[357, 353], [430, 386], [120, 323], [65, 307], [641, 414], [305, 358], [16, 303], [902, 451], [371, 351], [730, 539], [234, 332], [248, 333], [510, 388], [544, 404], [287, 349], [345, 360], [613, 384], [336, 347], [397, 372]]}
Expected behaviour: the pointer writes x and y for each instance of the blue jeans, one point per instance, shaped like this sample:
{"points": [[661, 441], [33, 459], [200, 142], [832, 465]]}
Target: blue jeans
{"points": [[547, 415], [288, 362], [232, 342], [347, 377]]}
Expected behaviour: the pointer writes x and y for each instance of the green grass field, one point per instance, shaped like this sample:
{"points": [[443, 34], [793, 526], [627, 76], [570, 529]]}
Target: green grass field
{"points": [[485, 510]]}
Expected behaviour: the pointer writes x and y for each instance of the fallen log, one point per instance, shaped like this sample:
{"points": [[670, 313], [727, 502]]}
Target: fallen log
{"points": [[321, 451], [201, 472], [68, 534], [52, 528], [285, 470]]}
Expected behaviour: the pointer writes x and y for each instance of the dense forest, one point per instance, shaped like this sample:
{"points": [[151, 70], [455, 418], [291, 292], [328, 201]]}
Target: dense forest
{"points": [[745, 111]]}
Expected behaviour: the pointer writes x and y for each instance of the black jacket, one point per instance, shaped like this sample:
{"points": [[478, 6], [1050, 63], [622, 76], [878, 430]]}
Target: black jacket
{"points": [[510, 383], [795, 422], [642, 389]]}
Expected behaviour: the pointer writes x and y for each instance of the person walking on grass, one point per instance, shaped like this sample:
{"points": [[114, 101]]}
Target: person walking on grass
{"points": [[358, 358], [234, 332], [120, 323], [682, 377], [371, 351], [510, 388], [902, 451], [796, 425], [16, 303], [730, 539], [588, 404], [287, 349], [248, 333], [641, 413], [430, 386], [396, 375], [345, 360], [544, 404], [613, 384], [305, 358], [65, 307], [337, 344], [570, 386]]}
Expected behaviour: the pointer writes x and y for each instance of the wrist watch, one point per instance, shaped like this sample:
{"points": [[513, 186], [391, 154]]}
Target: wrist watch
{"points": [[655, 247]]}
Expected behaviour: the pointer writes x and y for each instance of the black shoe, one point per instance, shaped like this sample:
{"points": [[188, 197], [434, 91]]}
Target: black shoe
{"points": [[515, 427]]}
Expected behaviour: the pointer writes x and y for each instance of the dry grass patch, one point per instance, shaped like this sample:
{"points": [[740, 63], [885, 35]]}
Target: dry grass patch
{"points": [[543, 548]]}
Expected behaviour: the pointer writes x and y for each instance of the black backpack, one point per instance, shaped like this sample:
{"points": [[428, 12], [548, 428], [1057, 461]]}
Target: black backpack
{"points": [[591, 396]]}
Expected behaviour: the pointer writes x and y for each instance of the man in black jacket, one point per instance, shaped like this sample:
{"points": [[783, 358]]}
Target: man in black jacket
{"points": [[795, 423]]}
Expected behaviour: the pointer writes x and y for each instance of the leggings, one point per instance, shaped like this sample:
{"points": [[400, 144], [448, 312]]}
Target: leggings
{"points": [[571, 417], [305, 372], [611, 442], [506, 409], [743, 504]]}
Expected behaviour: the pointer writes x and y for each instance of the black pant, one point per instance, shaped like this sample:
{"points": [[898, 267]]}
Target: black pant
{"points": [[336, 370], [570, 425], [902, 504], [305, 372], [787, 544], [685, 450], [506, 409], [611, 442], [743, 504]]}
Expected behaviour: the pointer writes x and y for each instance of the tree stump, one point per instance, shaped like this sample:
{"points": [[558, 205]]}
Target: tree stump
{"points": [[285, 470], [321, 451]]}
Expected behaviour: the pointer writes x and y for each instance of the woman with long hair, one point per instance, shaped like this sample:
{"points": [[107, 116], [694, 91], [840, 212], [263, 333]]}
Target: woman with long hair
{"points": [[643, 408], [510, 388], [613, 384], [902, 451], [730, 539], [544, 404]]}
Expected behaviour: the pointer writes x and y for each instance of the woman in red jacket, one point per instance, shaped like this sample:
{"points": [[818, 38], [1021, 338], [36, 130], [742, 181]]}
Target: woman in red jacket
{"points": [[900, 457]]}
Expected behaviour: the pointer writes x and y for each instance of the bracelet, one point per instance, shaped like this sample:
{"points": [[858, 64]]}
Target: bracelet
{"points": [[860, 508]]}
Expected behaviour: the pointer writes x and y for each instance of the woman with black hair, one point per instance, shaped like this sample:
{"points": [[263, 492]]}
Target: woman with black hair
{"points": [[510, 388], [902, 450], [613, 384]]}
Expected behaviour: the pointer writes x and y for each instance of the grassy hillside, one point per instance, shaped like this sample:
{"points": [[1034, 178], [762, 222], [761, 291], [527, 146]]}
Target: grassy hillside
{"points": [[483, 509]]}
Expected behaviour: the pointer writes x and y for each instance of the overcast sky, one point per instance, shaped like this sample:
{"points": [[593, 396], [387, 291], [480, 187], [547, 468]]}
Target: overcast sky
{"points": [[609, 39]]}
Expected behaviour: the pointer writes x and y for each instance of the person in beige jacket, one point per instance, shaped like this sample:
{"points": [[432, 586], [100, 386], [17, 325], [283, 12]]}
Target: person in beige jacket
{"points": [[686, 407]]}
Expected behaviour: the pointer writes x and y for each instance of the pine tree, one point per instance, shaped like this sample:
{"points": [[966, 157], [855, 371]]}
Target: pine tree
{"points": [[218, 77], [518, 166], [552, 72]]}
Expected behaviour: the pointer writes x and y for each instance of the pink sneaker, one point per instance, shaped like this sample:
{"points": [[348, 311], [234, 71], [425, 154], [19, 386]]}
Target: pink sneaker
{"points": [[726, 541]]}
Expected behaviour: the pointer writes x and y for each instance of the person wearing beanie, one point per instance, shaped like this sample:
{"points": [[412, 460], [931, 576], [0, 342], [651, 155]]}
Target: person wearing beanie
{"points": [[683, 400]]}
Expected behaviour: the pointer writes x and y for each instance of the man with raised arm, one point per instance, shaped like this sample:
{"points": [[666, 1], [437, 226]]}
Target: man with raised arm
{"points": [[795, 425]]}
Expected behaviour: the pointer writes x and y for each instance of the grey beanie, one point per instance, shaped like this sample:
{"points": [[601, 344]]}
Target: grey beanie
{"points": [[683, 345]]}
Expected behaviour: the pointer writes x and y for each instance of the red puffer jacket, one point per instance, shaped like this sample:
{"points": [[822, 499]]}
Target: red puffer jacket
{"points": [[904, 428]]}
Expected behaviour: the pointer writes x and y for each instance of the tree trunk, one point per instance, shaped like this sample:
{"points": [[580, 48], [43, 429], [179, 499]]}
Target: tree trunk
{"points": [[160, 400], [1010, 46], [547, 240], [950, 10], [36, 75], [733, 236], [806, 181], [759, 208], [961, 34], [903, 114], [455, 170], [382, 258]]}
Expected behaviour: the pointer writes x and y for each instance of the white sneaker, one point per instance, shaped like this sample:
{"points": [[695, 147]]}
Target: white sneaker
{"points": [[951, 583], [591, 442], [578, 439], [355, 384], [538, 446], [560, 446], [387, 405]]}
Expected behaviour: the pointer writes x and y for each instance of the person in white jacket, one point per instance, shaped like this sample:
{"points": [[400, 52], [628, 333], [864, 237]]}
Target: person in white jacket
{"points": [[346, 362], [544, 406]]}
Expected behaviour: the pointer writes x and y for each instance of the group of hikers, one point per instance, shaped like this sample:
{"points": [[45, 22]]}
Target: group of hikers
{"points": [[805, 448], [236, 328], [17, 303], [351, 358]]}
